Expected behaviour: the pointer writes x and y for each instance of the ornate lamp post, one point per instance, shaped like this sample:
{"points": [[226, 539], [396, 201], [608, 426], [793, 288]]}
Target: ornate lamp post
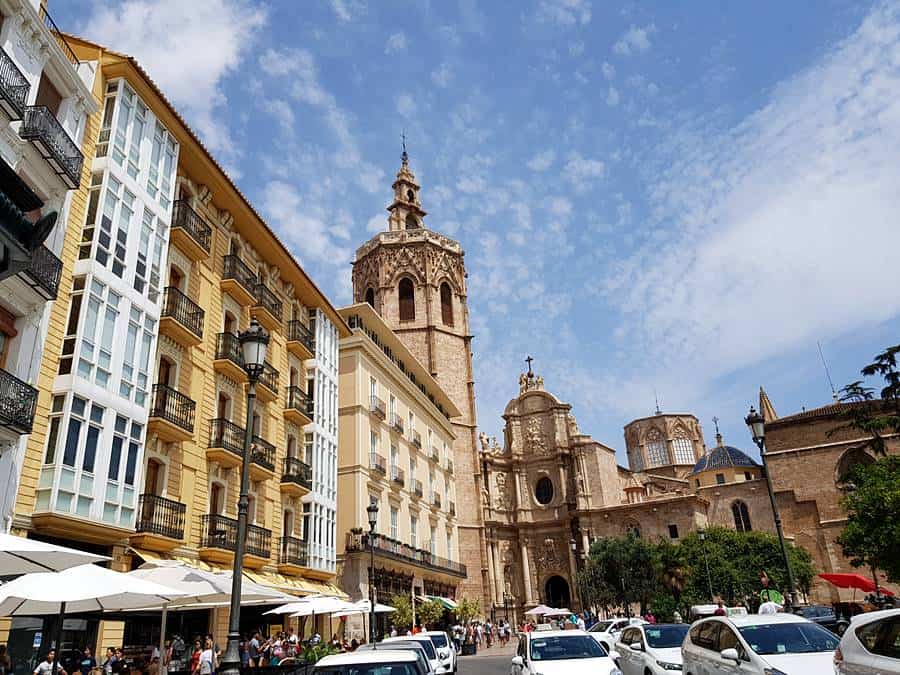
{"points": [[372, 512], [757, 426], [254, 343], [702, 534]]}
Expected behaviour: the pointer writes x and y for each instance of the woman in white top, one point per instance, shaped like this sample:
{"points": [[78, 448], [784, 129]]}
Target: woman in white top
{"points": [[207, 659]]}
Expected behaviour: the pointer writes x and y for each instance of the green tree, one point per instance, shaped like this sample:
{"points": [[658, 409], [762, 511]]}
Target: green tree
{"points": [[402, 618], [467, 610], [620, 571], [429, 612], [875, 418], [871, 537]]}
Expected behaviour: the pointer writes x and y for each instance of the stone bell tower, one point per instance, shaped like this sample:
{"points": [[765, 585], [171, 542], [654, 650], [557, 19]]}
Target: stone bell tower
{"points": [[416, 280]]}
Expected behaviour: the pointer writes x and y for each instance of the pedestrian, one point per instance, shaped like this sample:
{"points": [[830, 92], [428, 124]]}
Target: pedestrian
{"points": [[769, 607], [676, 617], [208, 663], [46, 667], [195, 657], [254, 650], [5, 663], [720, 609], [87, 662]]}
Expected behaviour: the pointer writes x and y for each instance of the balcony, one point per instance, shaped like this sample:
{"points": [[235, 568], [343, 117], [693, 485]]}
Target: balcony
{"points": [[298, 407], [296, 477], [181, 318], [397, 476], [13, 87], [292, 555], [377, 463], [59, 36], [435, 500], [396, 550], [377, 407], [435, 454], [226, 443], [190, 233], [218, 541], [417, 489], [449, 466], [267, 308], [300, 341], [453, 509], [43, 273], [159, 523], [171, 415], [229, 359], [238, 280], [17, 404], [268, 392], [397, 423], [262, 459], [416, 439], [43, 129]]}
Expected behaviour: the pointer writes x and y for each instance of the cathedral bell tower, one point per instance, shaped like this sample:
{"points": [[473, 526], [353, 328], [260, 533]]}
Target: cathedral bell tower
{"points": [[416, 280]]}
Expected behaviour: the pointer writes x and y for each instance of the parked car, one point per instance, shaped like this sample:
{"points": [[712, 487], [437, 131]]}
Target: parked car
{"points": [[572, 652], [445, 650], [871, 645], [427, 645], [824, 616], [758, 644], [411, 646], [374, 662], [607, 632], [651, 649]]}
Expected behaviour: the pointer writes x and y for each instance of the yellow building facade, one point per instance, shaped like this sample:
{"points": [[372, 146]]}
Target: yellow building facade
{"points": [[136, 450], [395, 449]]}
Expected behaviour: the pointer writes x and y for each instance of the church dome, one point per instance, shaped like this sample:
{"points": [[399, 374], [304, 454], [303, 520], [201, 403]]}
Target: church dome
{"points": [[723, 456]]}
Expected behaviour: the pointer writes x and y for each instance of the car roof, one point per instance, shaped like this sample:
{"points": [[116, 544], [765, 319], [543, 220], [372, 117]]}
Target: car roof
{"points": [[406, 645], [866, 617], [432, 632], [560, 633], [368, 656], [418, 637], [648, 626], [743, 620]]}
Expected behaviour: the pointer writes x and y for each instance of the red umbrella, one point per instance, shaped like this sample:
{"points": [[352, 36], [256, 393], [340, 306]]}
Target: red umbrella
{"points": [[854, 581]]}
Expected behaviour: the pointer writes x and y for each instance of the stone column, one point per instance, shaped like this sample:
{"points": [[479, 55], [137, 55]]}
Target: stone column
{"points": [[492, 581], [498, 573], [526, 576], [573, 569]]}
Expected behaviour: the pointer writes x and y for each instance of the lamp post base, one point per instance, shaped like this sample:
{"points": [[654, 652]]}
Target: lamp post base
{"points": [[231, 659]]}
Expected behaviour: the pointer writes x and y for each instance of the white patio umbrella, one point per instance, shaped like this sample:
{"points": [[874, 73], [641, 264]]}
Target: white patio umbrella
{"points": [[362, 607], [19, 555], [85, 588], [540, 610]]}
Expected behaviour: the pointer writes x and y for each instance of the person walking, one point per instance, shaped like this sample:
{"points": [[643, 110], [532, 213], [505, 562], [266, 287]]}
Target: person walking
{"points": [[87, 662], [46, 667], [208, 663]]}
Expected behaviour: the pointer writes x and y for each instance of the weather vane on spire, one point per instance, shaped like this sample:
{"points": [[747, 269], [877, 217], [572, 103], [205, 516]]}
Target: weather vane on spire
{"points": [[718, 434], [404, 156]]}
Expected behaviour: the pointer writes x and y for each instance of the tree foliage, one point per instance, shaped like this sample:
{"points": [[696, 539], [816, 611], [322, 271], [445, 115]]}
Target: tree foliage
{"points": [[871, 537], [875, 418], [403, 617], [429, 612], [467, 610]]}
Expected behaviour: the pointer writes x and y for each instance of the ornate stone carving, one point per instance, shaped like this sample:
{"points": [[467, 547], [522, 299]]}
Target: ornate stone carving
{"points": [[503, 500], [547, 556], [489, 445], [534, 437]]}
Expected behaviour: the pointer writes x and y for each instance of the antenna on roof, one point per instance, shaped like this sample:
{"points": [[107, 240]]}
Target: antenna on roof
{"points": [[834, 395], [656, 398]]}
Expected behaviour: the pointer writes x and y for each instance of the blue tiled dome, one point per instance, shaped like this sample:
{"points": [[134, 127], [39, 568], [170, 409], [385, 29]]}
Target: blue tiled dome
{"points": [[723, 456]]}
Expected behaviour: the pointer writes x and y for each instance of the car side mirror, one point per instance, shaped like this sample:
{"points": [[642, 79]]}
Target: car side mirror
{"points": [[730, 654], [636, 646], [518, 661]]}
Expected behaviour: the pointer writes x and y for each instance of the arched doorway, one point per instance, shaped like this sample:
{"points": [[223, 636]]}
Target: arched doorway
{"points": [[556, 592]]}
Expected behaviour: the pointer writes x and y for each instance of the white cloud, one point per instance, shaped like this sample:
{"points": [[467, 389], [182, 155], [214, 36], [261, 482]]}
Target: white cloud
{"points": [[395, 43], [559, 206], [781, 230], [163, 35], [283, 113], [405, 105], [442, 75], [347, 10], [542, 161], [635, 39], [377, 223], [609, 71], [564, 12], [612, 97], [582, 172]]}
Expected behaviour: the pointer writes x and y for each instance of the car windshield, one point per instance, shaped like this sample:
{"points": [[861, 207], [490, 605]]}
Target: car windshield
{"points": [[428, 647], [600, 626], [789, 638], [664, 637], [565, 647], [370, 669], [440, 640]]}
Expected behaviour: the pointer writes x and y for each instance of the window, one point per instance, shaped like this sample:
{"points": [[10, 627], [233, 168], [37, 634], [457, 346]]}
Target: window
{"points": [[449, 545], [696, 482], [136, 362], [411, 222], [543, 490], [68, 347], [109, 107], [432, 544], [720, 479], [95, 360], [881, 637], [673, 532], [741, 516], [848, 460], [413, 531], [90, 223], [162, 165], [393, 406], [684, 449], [76, 420], [370, 297], [115, 455], [373, 387], [93, 436], [395, 515], [407, 299], [373, 442], [748, 475], [657, 455], [56, 409], [636, 459], [446, 304], [126, 108]]}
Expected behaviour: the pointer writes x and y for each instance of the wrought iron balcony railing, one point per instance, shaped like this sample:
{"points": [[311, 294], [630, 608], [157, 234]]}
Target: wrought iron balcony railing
{"points": [[397, 475], [45, 271], [185, 311], [417, 488], [259, 541], [298, 332], [58, 35], [235, 268], [292, 551], [397, 423], [158, 515], [297, 399], [297, 471], [377, 463], [173, 406], [397, 550], [262, 453], [220, 531], [226, 434], [190, 221], [377, 407], [42, 128], [417, 439], [266, 299], [269, 377], [13, 87], [17, 403], [228, 346]]}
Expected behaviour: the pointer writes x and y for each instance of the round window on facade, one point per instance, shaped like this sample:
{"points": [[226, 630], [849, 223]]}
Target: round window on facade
{"points": [[543, 491]]}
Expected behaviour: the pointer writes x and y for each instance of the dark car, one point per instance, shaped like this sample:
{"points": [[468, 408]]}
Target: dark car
{"points": [[825, 617]]}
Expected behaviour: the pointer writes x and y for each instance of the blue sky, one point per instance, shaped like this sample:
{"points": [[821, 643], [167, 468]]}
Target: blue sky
{"points": [[669, 197]]}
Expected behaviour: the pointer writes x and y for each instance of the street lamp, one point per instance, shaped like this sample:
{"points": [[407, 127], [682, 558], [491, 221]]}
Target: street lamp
{"points": [[702, 534], [254, 343], [372, 512], [757, 426]]}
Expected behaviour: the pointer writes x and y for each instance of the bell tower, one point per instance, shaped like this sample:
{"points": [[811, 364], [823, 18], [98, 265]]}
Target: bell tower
{"points": [[415, 279]]}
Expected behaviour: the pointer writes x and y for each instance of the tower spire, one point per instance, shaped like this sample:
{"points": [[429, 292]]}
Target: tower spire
{"points": [[404, 158], [405, 209], [718, 434]]}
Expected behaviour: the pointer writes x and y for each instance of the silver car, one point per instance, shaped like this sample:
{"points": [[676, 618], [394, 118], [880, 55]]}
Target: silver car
{"points": [[870, 645]]}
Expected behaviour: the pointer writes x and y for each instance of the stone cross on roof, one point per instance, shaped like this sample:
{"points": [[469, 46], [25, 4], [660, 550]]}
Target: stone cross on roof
{"points": [[529, 381]]}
